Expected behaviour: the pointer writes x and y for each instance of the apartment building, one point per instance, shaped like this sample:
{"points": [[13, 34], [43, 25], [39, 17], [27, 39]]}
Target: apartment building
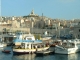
{"points": [[76, 30]]}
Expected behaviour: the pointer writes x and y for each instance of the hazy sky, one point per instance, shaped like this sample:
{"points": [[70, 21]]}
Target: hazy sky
{"points": [[63, 9]]}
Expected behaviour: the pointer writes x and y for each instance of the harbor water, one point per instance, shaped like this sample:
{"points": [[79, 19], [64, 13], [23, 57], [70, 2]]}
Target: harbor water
{"points": [[10, 56]]}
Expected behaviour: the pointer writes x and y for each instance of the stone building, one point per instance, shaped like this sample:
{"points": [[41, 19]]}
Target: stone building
{"points": [[76, 30]]}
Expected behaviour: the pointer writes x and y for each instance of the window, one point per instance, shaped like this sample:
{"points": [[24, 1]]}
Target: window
{"points": [[29, 38], [79, 30]]}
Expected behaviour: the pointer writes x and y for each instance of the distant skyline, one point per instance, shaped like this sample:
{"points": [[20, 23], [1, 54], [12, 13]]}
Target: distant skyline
{"points": [[62, 9]]}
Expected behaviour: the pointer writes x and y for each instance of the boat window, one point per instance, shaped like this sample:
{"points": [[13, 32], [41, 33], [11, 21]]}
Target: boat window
{"points": [[64, 44], [14, 38], [22, 44], [38, 46], [27, 44], [79, 30], [73, 44]]}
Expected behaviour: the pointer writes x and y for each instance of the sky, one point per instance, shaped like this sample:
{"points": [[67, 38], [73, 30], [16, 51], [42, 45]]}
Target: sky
{"points": [[62, 9]]}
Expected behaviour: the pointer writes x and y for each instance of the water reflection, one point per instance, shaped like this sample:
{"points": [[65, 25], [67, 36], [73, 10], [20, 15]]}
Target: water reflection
{"points": [[24, 57], [4, 56], [67, 57], [47, 57]]}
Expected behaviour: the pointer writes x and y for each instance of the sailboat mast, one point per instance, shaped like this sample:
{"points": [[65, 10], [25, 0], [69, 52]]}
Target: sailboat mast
{"points": [[0, 7], [42, 26], [59, 29]]}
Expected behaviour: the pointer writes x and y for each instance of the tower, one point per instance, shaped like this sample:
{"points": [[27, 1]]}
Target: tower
{"points": [[32, 12]]}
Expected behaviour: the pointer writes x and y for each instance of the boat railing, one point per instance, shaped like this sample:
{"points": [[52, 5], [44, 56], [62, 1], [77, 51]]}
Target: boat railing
{"points": [[68, 45]]}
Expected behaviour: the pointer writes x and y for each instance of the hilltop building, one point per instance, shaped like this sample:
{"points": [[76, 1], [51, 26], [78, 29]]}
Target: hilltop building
{"points": [[32, 14]]}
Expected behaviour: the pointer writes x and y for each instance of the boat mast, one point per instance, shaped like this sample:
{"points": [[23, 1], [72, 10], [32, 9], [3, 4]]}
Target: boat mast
{"points": [[2, 38], [42, 20], [0, 8], [59, 30]]}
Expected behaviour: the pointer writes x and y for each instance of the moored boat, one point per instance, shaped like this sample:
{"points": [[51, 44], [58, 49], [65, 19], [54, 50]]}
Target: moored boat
{"points": [[68, 47], [28, 44], [6, 51]]}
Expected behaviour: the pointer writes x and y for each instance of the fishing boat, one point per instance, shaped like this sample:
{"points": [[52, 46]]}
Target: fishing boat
{"points": [[68, 47], [28, 44]]}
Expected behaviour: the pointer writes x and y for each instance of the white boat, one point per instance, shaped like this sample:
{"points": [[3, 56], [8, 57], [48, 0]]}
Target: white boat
{"points": [[28, 44], [68, 47], [46, 36]]}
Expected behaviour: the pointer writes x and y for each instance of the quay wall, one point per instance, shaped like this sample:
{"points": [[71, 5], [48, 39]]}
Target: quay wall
{"points": [[40, 31]]}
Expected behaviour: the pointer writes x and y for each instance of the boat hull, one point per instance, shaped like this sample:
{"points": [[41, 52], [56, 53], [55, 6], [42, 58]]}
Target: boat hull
{"points": [[66, 50], [46, 52], [1, 46], [6, 51], [28, 51]]}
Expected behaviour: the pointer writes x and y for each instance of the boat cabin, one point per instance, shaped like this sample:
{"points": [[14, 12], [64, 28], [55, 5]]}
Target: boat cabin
{"points": [[68, 44]]}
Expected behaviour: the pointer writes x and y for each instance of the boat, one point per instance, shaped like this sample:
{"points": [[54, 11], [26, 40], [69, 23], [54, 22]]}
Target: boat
{"points": [[68, 47], [46, 36], [6, 51], [26, 44]]}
